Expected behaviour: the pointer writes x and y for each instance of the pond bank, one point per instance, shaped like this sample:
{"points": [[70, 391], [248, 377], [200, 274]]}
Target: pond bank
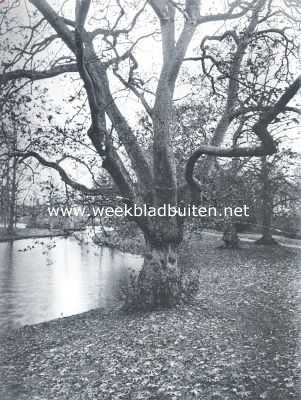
{"points": [[133, 244], [34, 233], [31, 233], [238, 340], [113, 240]]}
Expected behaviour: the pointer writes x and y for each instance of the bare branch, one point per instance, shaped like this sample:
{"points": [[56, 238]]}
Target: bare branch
{"points": [[116, 32], [131, 85], [56, 22], [64, 176], [230, 14], [38, 75], [160, 8], [80, 161], [81, 11], [252, 109]]}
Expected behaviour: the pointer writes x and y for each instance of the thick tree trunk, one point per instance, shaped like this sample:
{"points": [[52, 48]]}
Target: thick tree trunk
{"points": [[267, 207], [159, 281], [267, 237], [230, 236], [267, 215]]}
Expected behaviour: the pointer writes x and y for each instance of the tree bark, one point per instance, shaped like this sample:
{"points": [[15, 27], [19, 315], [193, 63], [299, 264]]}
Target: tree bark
{"points": [[12, 183], [230, 236], [12, 198], [159, 281], [267, 206]]}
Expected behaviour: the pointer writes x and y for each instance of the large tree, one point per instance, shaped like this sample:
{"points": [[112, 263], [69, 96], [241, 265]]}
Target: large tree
{"points": [[100, 43]]}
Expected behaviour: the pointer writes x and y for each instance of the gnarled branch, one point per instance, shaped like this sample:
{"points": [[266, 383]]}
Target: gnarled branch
{"points": [[267, 146], [38, 75], [63, 174]]}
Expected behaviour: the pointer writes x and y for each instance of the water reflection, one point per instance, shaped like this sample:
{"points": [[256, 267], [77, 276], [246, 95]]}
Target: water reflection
{"points": [[47, 282]]}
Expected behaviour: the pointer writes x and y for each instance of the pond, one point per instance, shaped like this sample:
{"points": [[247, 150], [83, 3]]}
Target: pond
{"points": [[44, 279]]}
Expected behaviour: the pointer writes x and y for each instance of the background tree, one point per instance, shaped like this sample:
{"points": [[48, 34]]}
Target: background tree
{"points": [[104, 52], [277, 188], [15, 173]]}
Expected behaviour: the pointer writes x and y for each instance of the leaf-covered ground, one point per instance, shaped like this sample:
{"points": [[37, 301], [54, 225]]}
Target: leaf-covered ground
{"points": [[239, 340]]}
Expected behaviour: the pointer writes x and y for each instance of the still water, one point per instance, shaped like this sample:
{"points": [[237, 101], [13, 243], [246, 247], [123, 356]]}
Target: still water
{"points": [[50, 278]]}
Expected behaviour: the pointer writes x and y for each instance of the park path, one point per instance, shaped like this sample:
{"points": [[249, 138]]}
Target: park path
{"points": [[251, 237]]}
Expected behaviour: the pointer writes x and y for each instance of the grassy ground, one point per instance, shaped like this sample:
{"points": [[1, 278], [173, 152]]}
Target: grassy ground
{"points": [[239, 340]]}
